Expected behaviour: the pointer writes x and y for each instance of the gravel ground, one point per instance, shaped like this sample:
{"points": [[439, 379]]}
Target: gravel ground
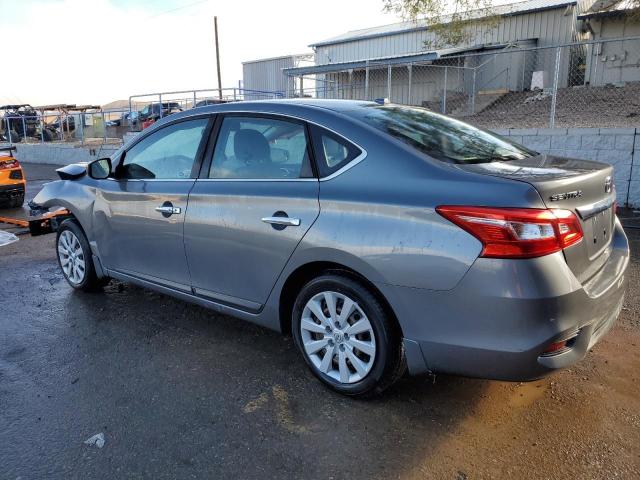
{"points": [[576, 107], [181, 392]]}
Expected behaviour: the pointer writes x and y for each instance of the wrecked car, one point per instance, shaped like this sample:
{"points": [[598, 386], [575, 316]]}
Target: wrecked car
{"points": [[381, 237], [13, 183]]}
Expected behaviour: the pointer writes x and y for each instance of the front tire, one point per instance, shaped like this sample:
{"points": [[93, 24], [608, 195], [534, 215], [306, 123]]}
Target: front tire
{"points": [[346, 336], [75, 258]]}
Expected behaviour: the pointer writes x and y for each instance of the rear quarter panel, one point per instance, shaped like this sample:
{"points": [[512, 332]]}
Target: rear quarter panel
{"points": [[381, 215]]}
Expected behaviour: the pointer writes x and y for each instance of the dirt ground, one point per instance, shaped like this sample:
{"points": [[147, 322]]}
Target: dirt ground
{"points": [[181, 392]]}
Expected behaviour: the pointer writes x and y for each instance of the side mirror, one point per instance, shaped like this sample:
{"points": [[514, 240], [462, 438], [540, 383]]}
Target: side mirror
{"points": [[100, 169]]}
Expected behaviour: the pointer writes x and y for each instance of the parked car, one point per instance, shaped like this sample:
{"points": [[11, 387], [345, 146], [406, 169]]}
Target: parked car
{"points": [[13, 183], [127, 118], [210, 101], [152, 111], [379, 236]]}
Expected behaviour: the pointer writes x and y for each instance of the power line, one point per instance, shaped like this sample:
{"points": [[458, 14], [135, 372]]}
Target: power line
{"points": [[177, 8]]}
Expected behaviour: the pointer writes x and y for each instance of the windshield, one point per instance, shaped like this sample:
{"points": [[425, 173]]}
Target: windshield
{"points": [[441, 137]]}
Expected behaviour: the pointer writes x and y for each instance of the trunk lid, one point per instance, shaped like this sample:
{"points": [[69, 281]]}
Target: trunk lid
{"points": [[582, 186]]}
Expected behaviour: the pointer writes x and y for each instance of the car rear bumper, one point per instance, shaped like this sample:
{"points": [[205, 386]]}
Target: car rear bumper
{"points": [[10, 191], [504, 314]]}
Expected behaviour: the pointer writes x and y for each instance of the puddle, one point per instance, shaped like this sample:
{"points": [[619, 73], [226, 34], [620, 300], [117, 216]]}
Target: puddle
{"points": [[6, 238]]}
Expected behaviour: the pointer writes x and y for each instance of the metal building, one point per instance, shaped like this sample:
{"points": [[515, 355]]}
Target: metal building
{"points": [[612, 62], [265, 75], [365, 60]]}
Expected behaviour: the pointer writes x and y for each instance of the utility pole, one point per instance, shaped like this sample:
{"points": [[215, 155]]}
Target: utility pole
{"points": [[215, 26]]}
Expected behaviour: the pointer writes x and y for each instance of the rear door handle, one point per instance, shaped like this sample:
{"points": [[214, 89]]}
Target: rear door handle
{"points": [[284, 221]]}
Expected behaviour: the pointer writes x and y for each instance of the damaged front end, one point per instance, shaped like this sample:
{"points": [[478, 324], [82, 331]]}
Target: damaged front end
{"points": [[46, 221], [70, 197]]}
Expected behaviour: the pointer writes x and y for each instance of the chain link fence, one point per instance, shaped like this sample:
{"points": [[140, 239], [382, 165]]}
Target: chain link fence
{"points": [[584, 84], [84, 127]]}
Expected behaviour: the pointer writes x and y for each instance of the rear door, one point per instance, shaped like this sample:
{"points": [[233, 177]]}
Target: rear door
{"points": [[250, 208], [139, 214]]}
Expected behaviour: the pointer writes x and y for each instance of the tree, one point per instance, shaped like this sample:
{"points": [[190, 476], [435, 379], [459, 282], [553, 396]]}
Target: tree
{"points": [[447, 19]]}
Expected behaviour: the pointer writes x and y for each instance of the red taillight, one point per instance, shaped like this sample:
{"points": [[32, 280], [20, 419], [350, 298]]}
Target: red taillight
{"points": [[555, 348], [516, 232], [9, 163]]}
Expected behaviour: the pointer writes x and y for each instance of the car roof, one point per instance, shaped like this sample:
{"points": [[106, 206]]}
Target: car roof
{"points": [[307, 108], [294, 106]]}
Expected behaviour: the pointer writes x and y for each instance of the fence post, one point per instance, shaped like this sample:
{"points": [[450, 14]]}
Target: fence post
{"points": [[389, 83], [472, 110], [194, 99], [444, 93], [130, 118], [410, 68], [556, 76], [160, 101], [24, 130], [366, 80], [301, 86], [60, 122], [104, 126], [350, 94], [41, 129], [524, 65], [82, 119]]}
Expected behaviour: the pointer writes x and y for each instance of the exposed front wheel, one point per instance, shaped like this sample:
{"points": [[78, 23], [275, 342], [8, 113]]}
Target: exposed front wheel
{"points": [[74, 258], [346, 337]]}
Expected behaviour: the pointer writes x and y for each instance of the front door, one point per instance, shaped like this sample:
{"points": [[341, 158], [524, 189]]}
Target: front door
{"points": [[140, 213], [250, 210]]}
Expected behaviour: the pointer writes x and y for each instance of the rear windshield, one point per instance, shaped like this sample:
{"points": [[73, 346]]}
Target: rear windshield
{"points": [[441, 137]]}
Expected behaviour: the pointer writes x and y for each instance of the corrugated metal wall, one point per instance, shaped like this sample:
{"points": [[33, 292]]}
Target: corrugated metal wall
{"points": [[613, 62], [266, 75], [493, 71], [550, 27]]}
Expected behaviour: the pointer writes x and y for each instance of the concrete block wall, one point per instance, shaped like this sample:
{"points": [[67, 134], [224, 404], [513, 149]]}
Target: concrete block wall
{"points": [[62, 153], [619, 147]]}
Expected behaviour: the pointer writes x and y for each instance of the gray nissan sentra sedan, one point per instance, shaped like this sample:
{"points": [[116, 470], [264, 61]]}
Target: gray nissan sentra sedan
{"points": [[382, 237]]}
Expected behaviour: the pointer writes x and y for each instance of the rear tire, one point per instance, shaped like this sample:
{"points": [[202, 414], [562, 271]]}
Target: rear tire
{"points": [[75, 258], [16, 202], [47, 135], [358, 352], [15, 136]]}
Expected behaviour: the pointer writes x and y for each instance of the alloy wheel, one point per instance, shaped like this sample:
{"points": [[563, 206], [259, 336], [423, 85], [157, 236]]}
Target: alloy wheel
{"points": [[337, 337], [71, 257]]}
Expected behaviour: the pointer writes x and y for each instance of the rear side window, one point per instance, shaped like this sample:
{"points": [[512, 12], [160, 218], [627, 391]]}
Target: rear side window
{"points": [[332, 151], [261, 148]]}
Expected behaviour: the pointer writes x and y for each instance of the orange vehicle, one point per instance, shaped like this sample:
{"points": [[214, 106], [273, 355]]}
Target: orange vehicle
{"points": [[12, 181]]}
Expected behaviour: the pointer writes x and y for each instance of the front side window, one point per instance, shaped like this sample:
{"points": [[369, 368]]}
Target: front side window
{"points": [[169, 153], [441, 137], [261, 148]]}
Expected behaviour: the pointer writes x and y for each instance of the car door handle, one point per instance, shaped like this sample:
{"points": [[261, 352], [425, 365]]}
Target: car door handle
{"points": [[166, 210], [284, 221]]}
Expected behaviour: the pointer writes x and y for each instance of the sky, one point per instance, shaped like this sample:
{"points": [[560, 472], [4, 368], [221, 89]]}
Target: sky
{"points": [[97, 51]]}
